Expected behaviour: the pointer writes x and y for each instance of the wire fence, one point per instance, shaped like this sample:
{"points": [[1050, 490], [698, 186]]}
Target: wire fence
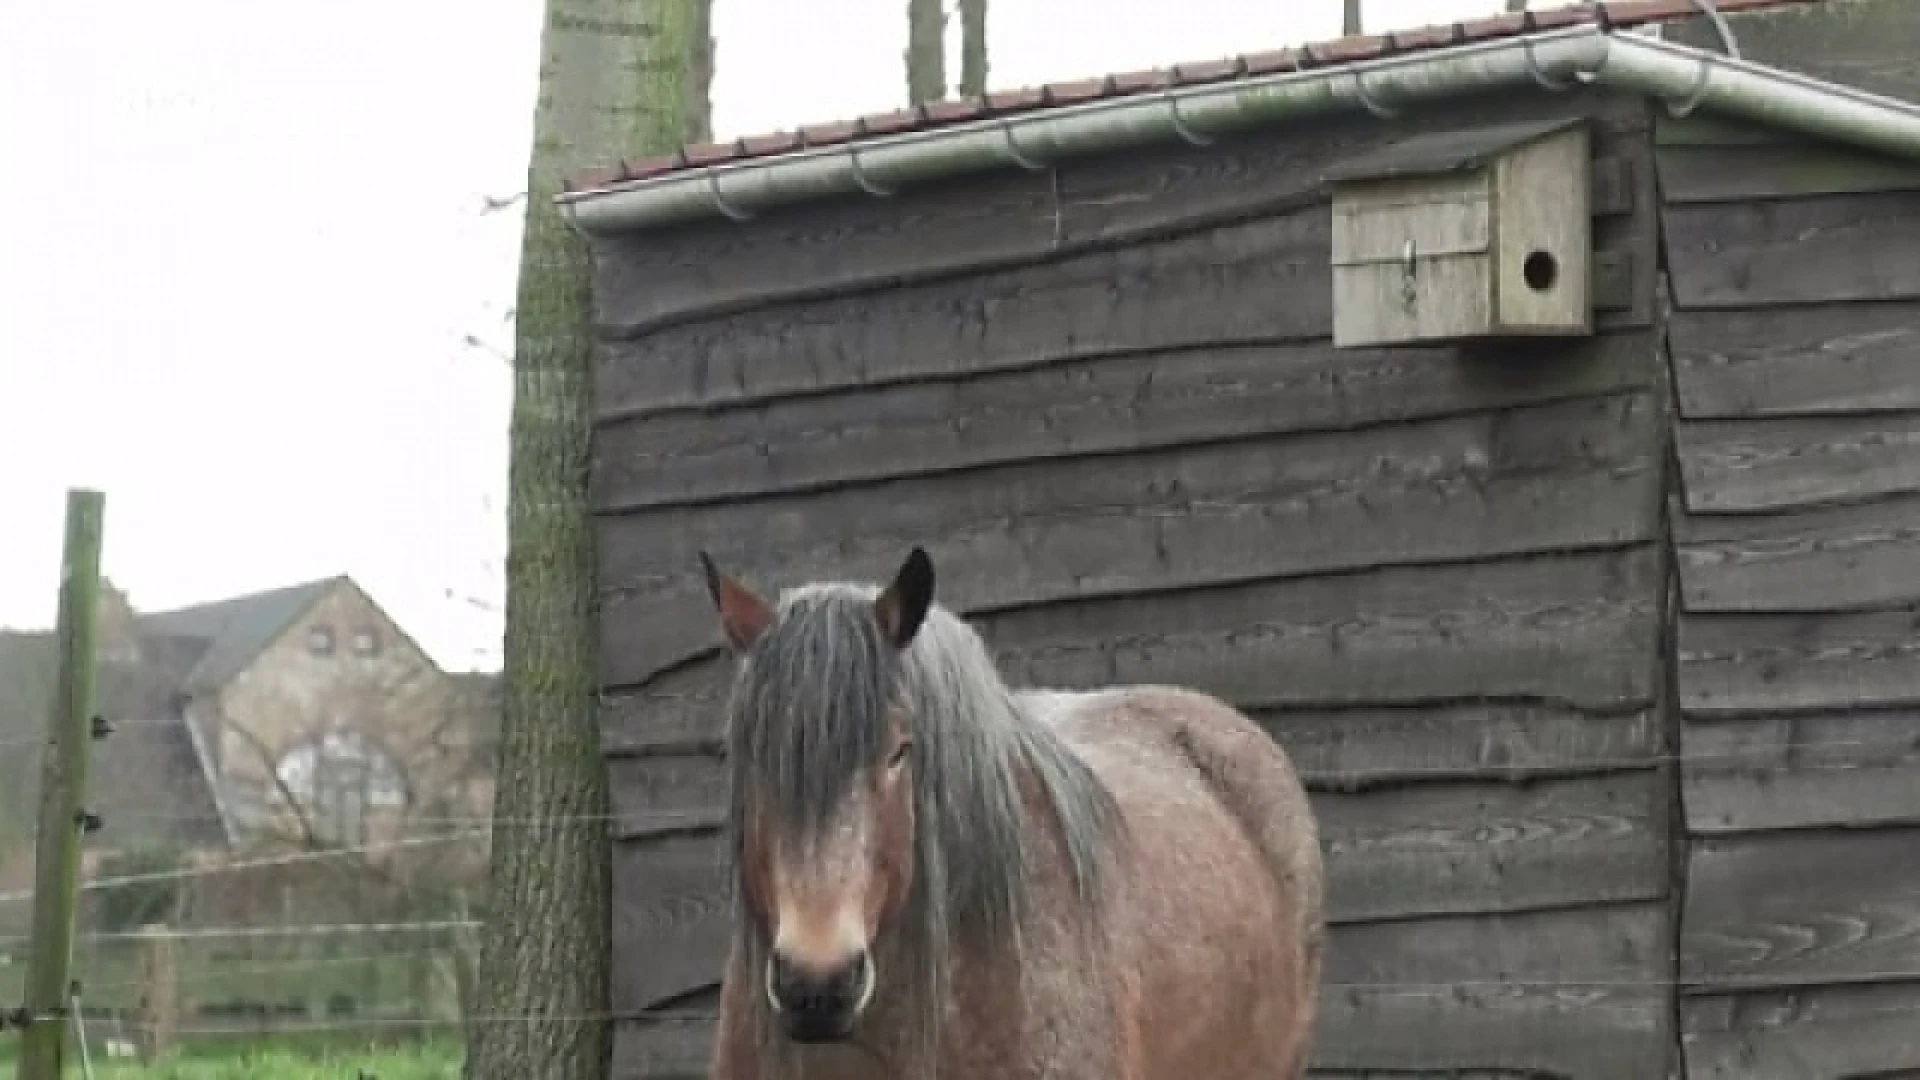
{"points": [[1800, 754], [264, 984]]}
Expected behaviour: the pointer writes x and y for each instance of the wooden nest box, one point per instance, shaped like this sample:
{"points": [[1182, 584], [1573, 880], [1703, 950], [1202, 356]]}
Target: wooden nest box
{"points": [[1465, 235]]}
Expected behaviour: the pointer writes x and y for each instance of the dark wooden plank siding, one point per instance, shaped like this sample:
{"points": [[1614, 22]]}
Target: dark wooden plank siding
{"points": [[1796, 528], [1466, 848], [1795, 770], [1787, 463], [1123, 401], [1120, 300], [669, 917], [670, 1044], [1579, 992], [1861, 1032], [1564, 477], [1436, 575], [1858, 556], [1841, 359], [1571, 630], [1810, 250], [1804, 907], [1777, 168], [1011, 219]]}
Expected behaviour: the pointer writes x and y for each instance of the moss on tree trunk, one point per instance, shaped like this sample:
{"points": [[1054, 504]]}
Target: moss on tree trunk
{"points": [[617, 78]]}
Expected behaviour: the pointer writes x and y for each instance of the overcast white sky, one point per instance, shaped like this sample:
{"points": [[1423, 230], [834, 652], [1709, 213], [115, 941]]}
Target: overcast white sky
{"points": [[242, 246]]}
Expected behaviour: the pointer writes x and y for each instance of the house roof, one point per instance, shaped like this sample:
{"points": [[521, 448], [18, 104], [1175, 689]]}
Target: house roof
{"points": [[236, 629], [150, 781], [1613, 14], [146, 779], [26, 692]]}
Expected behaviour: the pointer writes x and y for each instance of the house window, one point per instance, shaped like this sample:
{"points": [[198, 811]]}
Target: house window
{"points": [[336, 780], [320, 640], [366, 642]]}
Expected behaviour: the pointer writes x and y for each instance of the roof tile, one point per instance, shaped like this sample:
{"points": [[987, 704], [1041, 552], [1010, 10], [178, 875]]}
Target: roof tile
{"points": [[1351, 50], [1274, 61], [827, 134], [1609, 13], [1071, 93], [1208, 71], [1005, 101], [953, 111]]}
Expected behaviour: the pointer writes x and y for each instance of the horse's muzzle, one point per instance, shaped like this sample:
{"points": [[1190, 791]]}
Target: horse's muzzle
{"points": [[819, 1006]]}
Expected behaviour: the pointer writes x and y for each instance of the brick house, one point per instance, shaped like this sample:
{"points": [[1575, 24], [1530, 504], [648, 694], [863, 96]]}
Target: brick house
{"points": [[300, 716]]}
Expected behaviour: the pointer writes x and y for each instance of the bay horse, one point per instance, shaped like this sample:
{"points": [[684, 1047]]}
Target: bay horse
{"points": [[938, 876]]}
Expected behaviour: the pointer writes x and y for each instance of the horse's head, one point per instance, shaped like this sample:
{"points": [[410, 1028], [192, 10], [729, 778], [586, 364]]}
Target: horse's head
{"points": [[823, 789]]}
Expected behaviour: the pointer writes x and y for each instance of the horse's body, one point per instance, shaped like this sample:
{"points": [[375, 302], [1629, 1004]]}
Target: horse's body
{"points": [[1121, 884]]}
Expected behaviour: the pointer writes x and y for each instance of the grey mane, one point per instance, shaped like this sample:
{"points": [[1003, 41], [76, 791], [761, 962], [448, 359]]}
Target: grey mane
{"points": [[808, 712]]}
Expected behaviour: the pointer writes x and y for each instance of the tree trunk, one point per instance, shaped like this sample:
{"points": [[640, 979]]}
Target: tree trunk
{"points": [[973, 48], [696, 89], [1350, 24], [926, 52], [617, 78]]}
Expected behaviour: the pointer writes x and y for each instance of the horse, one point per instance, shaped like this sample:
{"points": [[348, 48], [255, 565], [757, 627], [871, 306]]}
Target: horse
{"points": [[939, 877]]}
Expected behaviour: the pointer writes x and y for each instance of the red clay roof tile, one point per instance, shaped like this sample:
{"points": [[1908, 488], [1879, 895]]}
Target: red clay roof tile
{"points": [[1610, 13]]}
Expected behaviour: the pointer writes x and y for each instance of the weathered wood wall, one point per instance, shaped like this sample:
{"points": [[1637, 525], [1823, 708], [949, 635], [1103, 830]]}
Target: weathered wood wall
{"points": [[1795, 271], [1105, 398]]}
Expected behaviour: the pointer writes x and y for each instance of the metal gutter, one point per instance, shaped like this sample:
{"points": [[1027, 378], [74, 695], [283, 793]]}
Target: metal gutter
{"points": [[1687, 79], [1683, 77]]}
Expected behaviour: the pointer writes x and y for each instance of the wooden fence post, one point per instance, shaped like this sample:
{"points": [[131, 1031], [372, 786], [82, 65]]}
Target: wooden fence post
{"points": [[464, 951], [63, 792], [157, 1021]]}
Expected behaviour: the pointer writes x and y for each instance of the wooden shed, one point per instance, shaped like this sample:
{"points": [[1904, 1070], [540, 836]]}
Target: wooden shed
{"points": [[1597, 638]]}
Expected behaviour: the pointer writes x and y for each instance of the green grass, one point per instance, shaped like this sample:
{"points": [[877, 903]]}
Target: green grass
{"points": [[426, 1061]]}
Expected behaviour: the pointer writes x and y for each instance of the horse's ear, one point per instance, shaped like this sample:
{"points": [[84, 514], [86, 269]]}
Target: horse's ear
{"points": [[902, 606], [744, 616]]}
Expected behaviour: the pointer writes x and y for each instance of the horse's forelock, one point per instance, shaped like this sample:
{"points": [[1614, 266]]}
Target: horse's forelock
{"points": [[810, 705]]}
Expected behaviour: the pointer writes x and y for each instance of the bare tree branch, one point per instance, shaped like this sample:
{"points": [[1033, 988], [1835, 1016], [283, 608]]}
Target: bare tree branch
{"points": [[480, 344], [308, 836], [493, 204]]}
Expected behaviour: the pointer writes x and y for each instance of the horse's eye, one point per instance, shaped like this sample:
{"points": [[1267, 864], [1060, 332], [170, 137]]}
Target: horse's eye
{"points": [[900, 753]]}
